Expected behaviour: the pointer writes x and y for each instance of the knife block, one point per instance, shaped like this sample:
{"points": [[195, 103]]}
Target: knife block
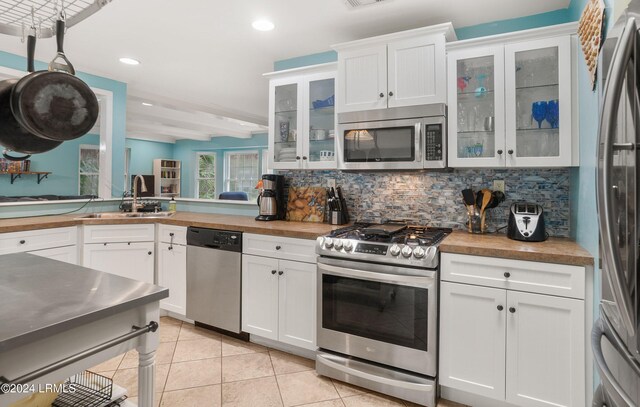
{"points": [[337, 218]]}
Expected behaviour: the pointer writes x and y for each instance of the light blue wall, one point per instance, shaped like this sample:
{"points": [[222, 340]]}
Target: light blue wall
{"points": [[185, 151], [61, 162], [143, 152], [119, 90], [514, 24], [313, 59]]}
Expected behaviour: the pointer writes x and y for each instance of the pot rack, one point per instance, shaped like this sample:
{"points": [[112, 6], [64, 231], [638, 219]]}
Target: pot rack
{"points": [[17, 17]]}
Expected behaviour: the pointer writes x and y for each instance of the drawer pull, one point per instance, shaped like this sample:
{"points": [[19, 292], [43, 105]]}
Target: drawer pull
{"points": [[507, 274], [500, 307], [149, 253], [23, 241], [278, 247], [280, 273], [273, 271], [512, 310]]}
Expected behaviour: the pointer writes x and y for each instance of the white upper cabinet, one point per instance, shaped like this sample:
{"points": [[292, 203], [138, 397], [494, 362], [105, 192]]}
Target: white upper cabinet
{"points": [[416, 71], [363, 79], [302, 118], [511, 100], [538, 108], [476, 107], [402, 69]]}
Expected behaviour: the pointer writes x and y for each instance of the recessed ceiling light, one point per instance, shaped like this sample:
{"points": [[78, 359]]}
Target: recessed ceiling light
{"points": [[129, 61], [263, 25], [146, 104]]}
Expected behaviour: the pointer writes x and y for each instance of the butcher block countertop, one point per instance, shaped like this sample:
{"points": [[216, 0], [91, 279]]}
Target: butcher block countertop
{"points": [[247, 224], [553, 250]]}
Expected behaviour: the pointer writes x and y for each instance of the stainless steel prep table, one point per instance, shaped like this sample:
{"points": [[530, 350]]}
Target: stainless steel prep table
{"points": [[52, 311]]}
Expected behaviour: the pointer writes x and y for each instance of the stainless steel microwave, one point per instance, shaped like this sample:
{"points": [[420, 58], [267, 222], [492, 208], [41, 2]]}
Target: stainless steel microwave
{"points": [[398, 138]]}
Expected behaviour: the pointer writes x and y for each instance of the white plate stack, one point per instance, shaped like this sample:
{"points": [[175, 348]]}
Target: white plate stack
{"points": [[287, 154]]}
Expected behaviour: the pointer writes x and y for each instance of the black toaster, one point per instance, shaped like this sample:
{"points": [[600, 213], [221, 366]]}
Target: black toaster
{"points": [[526, 222]]}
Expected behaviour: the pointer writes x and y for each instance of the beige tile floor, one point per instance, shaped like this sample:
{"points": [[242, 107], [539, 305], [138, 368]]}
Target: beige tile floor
{"points": [[200, 368]]}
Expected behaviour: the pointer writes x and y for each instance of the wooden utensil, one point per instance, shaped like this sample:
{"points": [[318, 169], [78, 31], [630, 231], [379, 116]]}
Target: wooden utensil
{"points": [[486, 198], [467, 195]]}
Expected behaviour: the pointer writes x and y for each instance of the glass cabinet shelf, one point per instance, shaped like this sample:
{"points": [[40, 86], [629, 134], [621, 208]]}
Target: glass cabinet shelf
{"points": [[542, 129], [286, 111], [474, 93], [476, 132], [549, 85]]}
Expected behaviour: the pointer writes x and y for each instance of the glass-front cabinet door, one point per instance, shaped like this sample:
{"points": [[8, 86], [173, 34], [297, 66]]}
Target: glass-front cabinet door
{"points": [[538, 103], [286, 117], [302, 121], [476, 107], [320, 149]]}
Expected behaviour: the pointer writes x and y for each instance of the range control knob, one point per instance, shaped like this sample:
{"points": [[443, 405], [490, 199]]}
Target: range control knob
{"points": [[338, 244], [418, 252], [328, 243], [407, 251], [394, 250], [348, 245]]}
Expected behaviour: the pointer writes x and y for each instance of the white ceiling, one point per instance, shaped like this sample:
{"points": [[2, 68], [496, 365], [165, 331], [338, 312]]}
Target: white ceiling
{"points": [[202, 59]]}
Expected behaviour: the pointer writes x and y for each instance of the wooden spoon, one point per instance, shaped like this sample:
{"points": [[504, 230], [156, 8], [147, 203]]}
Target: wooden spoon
{"points": [[486, 198]]}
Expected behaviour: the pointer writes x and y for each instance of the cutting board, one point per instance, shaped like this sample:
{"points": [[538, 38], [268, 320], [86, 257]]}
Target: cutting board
{"points": [[306, 204]]}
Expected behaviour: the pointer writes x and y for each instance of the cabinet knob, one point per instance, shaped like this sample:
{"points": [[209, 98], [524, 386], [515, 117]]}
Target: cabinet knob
{"points": [[507, 274], [510, 151], [171, 234], [280, 273], [500, 307], [149, 253], [390, 93], [304, 157], [23, 241], [297, 157], [170, 247], [499, 152], [381, 94], [105, 244], [128, 243], [278, 247], [273, 271], [512, 310]]}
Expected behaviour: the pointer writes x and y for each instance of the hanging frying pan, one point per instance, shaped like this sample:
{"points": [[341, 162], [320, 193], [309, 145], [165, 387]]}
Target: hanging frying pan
{"points": [[55, 104], [13, 136]]}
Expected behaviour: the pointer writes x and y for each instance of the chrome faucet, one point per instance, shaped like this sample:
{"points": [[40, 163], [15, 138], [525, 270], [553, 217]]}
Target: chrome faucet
{"points": [[134, 205]]}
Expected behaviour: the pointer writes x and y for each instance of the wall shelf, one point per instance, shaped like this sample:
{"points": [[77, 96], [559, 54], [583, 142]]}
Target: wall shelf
{"points": [[18, 174]]}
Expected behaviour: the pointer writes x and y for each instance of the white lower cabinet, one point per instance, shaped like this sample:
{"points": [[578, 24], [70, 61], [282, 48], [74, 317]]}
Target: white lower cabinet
{"points": [[172, 274], [525, 348], [472, 339], [279, 300], [67, 254], [133, 260]]}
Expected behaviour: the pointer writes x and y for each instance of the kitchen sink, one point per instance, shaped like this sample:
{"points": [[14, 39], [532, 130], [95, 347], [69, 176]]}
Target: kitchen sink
{"points": [[126, 215]]}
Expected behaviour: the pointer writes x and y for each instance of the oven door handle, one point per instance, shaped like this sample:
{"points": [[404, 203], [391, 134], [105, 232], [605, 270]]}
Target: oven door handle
{"points": [[419, 138], [413, 281]]}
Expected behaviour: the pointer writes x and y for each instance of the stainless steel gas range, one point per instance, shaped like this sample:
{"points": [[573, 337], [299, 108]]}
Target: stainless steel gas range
{"points": [[378, 308]]}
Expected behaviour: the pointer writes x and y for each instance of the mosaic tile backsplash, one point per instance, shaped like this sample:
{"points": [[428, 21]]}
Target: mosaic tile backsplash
{"points": [[435, 197]]}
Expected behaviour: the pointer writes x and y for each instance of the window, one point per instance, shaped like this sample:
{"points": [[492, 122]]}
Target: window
{"points": [[206, 176], [265, 162], [242, 172], [89, 170]]}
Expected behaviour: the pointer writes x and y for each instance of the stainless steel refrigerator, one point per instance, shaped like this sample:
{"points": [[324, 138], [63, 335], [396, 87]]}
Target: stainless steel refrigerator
{"points": [[616, 335]]}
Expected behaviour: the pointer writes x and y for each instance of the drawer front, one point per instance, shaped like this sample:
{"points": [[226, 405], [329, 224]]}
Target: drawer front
{"points": [[279, 247], [167, 232], [119, 233], [37, 239], [535, 277]]}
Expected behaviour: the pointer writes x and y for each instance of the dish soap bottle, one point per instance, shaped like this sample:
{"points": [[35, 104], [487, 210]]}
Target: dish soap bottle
{"points": [[172, 204]]}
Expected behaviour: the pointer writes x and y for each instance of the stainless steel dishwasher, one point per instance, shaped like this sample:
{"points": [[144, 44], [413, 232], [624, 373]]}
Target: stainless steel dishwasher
{"points": [[214, 278]]}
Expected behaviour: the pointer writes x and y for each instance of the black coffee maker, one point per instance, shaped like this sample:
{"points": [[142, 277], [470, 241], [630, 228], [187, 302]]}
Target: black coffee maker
{"points": [[271, 199]]}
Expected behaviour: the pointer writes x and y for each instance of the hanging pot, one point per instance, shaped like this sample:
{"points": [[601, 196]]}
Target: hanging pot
{"points": [[13, 136], [54, 104]]}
